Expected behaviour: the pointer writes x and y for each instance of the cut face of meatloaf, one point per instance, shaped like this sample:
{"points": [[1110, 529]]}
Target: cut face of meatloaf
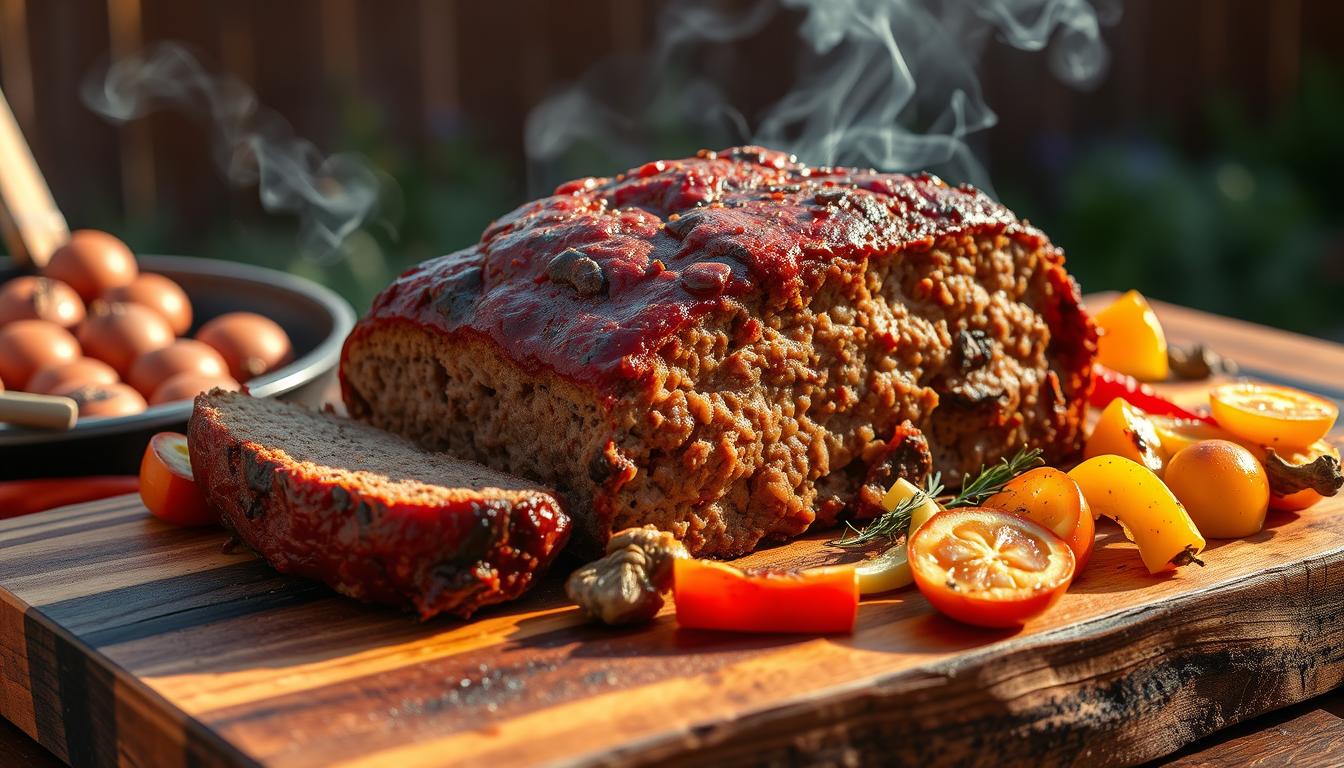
{"points": [[729, 346], [370, 513]]}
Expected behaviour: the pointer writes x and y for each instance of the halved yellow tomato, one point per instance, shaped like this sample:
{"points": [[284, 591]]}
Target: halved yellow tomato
{"points": [[1132, 495], [1050, 497], [989, 568], [1131, 339], [1123, 430], [1177, 434], [1272, 415]]}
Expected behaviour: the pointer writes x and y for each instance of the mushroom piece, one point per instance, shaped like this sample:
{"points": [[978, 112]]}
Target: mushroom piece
{"points": [[627, 586]]}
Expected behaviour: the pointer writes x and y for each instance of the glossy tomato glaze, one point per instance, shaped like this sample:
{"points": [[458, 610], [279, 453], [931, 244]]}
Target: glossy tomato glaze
{"points": [[672, 240]]}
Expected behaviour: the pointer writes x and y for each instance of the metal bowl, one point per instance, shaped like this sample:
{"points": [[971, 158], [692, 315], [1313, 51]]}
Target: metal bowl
{"points": [[316, 319]]}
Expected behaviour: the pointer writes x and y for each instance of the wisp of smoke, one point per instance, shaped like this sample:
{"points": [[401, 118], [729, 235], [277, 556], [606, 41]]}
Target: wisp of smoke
{"points": [[333, 196], [886, 83]]}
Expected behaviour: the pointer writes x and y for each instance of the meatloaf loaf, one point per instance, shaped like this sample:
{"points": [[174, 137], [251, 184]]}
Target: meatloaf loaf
{"points": [[367, 512], [724, 346]]}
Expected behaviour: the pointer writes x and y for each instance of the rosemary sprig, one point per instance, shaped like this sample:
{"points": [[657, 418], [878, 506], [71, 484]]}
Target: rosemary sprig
{"points": [[990, 480], [889, 525]]}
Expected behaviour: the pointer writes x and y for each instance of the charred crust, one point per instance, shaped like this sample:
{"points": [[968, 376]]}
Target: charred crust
{"points": [[831, 196], [609, 468], [258, 473], [972, 349], [681, 225], [456, 295], [970, 397], [906, 455], [579, 271]]}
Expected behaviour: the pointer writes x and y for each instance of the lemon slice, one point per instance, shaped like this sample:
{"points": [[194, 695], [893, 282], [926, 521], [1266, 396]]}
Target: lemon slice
{"points": [[889, 570]]}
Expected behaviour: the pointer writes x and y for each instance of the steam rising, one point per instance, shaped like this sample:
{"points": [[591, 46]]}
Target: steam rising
{"points": [[333, 196], [886, 83]]}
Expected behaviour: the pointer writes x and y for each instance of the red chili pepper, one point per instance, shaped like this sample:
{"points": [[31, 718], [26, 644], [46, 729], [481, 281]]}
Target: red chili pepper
{"points": [[22, 497], [1112, 384]]}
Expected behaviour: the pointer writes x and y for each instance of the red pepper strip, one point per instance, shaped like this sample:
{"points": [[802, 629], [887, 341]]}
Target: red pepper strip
{"points": [[22, 497], [711, 595], [1110, 384]]}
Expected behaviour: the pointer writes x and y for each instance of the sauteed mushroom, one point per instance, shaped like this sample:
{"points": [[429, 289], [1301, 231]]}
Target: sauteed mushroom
{"points": [[626, 586]]}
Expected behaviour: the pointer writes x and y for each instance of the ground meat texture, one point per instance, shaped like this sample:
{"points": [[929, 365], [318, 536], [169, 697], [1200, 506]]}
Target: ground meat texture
{"points": [[370, 513], [725, 346]]}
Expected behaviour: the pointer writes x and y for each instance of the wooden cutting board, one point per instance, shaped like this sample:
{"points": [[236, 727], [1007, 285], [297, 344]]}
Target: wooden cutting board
{"points": [[125, 641]]}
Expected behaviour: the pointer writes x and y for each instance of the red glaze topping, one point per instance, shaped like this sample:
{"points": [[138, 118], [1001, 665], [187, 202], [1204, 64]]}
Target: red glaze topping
{"points": [[591, 281]]}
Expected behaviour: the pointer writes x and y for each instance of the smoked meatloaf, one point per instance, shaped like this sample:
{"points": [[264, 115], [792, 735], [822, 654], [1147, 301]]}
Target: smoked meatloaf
{"points": [[369, 513], [728, 346]]}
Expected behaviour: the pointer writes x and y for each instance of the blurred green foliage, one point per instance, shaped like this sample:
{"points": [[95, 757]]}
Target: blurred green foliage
{"points": [[1249, 223]]}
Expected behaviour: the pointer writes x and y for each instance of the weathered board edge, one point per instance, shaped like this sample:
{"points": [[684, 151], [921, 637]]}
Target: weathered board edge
{"points": [[1052, 700], [92, 712]]}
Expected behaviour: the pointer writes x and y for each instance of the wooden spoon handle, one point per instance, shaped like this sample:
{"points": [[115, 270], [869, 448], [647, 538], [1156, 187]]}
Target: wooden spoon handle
{"points": [[45, 411], [30, 222]]}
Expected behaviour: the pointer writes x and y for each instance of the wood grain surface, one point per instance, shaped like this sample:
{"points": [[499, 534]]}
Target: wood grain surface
{"points": [[124, 641]]}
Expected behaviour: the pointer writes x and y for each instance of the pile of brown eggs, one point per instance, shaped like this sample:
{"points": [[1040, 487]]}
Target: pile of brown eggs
{"points": [[94, 328]]}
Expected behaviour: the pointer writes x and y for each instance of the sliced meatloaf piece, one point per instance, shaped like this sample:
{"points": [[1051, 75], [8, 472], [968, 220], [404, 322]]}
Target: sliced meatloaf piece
{"points": [[724, 346], [370, 513]]}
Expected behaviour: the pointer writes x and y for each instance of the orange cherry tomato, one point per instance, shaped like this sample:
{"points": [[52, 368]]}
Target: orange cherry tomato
{"points": [[167, 486], [989, 568], [1272, 416], [1222, 487], [1305, 498], [1050, 497], [713, 595]]}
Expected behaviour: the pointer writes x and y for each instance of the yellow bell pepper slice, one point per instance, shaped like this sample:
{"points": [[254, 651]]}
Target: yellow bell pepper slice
{"points": [[1131, 339], [1123, 430], [1136, 498]]}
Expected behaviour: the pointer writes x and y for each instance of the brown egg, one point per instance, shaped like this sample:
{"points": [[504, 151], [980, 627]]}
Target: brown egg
{"points": [[251, 344], [27, 346], [119, 333], [40, 298], [182, 356], [185, 386], [159, 294], [92, 263], [105, 400], [77, 373]]}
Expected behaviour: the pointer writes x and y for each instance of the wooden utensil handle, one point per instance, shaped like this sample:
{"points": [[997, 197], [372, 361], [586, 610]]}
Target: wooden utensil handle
{"points": [[30, 222], [44, 411]]}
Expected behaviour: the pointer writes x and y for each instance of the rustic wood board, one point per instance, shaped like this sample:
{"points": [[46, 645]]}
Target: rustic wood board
{"points": [[124, 641]]}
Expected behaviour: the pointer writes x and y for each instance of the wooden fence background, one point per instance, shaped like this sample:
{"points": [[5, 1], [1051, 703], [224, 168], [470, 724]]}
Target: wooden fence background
{"points": [[424, 64]]}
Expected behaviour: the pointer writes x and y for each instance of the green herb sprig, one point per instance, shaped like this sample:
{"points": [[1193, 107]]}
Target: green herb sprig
{"points": [[974, 490]]}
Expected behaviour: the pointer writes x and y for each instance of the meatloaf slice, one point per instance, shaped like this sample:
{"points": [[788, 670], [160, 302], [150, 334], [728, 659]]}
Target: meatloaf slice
{"points": [[727, 346], [369, 513]]}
